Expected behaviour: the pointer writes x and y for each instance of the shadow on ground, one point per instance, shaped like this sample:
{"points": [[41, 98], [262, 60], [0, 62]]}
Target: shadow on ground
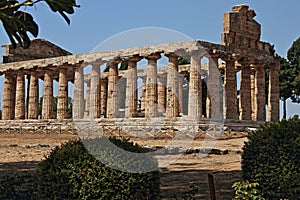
{"points": [[12, 168], [194, 184]]}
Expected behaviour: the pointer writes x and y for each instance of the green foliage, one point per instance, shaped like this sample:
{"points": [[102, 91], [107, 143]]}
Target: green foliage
{"points": [[18, 187], [271, 158], [294, 59], [246, 191], [17, 23], [71, 172]]}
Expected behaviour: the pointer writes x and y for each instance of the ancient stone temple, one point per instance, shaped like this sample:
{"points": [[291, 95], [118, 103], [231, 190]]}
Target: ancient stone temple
{"points": [[97, 93]]}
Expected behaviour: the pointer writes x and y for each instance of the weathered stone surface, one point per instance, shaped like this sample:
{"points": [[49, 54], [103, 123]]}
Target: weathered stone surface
{"points": [[230, 90], [78, 100], [273, 101], [20, 97], [8, 97], [172, 107], [47, 107], [245, 93], [162, 93], [213, 85], [131, 88], [33, 105], [260, 95], [112, 96], [195, 88], [62, 99], [103, 96], [94, 109], [151, 87]]}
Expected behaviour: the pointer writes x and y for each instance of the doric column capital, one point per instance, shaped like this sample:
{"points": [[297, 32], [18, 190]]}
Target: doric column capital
{"points": [[153, 56], [115, 61], [171, 55], [134, 59]]}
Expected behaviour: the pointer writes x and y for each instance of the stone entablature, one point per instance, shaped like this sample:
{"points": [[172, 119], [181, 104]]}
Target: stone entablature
{"points": [[39, 48], [161, 95]]}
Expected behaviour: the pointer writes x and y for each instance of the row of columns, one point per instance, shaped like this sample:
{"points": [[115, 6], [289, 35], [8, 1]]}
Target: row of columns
{"points": [[103, 95]]}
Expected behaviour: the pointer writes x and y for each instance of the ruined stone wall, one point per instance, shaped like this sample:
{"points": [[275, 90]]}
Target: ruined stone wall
{"points": [[38, 49], [240, 28]]}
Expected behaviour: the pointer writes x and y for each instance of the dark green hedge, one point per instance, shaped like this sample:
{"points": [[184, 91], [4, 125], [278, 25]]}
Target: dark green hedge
{"points": [[272, 158], [71, 172]]}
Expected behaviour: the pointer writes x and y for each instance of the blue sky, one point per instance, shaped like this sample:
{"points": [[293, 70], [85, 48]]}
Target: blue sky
{"points": [[97, 20]]}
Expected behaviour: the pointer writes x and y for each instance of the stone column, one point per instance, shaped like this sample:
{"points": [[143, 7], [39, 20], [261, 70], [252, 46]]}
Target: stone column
{"points": [[78, 96], [112, 95], [213, 104], [131, 88], [260, 95], [33, 104], [88, 95], [143, 97], [195, 88], [27, 96], [245, 92], [172, 109], [47, 110], [180, 94], [273, 97], [62, 99], [161, 88], [8, 97], [253, 96], [20, 97], [230, 90], [94, 110], [151, 86], [103, 96]]}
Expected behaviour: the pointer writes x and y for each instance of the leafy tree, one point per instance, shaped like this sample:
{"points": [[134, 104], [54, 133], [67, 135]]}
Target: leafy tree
{"points": [[293, 56], [17, 22], [286, 79]]}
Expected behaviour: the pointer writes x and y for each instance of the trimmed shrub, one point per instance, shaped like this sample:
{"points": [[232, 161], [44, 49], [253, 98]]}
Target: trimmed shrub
{"points": [[18, 187], [72, 172], [272, 159]]}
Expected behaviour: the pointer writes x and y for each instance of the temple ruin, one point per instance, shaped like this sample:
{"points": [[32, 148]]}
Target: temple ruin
{"points": [[96, 95]]}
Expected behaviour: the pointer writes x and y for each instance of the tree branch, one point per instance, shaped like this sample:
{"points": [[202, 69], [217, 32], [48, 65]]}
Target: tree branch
{"points": [[24, 3]]}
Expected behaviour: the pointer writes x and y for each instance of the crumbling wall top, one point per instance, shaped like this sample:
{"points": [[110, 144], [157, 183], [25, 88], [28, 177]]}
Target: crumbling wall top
{"points": [[240, 28], [38, 49]]}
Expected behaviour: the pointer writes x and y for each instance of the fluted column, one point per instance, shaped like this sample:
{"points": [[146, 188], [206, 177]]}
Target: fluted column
{"points": [[161, 88], [47, 110], [273, 97], [62, 99], [253, 96], [172, 109], [214, 104], [33, 105], [143, 97], [94, 110], [180, 94], [87, 96], [260, 95], [78, 95], [245, 92], [20, 97], [195, 88], [8, 97], [112, 95], [230, 90], [131, 88], [151, 86], [103, 96]]}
